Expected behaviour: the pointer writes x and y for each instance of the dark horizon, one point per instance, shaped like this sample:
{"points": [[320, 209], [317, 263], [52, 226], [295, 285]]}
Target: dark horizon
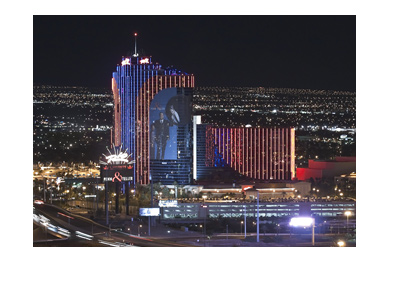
{"points": [[301, 52]]}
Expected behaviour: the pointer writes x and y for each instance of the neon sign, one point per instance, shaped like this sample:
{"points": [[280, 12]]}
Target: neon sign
{"points": [[121, 157], [117, 176], [144, 61], [126, 61], [118, 157]]}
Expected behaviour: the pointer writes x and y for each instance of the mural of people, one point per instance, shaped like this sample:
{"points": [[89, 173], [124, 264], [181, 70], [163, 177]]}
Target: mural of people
{"points": [[152, 141], [174, 108], [162, 135], [174, 115]]}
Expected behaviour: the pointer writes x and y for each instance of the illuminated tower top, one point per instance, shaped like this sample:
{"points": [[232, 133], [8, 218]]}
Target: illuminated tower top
{"points": [[134, 84], [135, 54]]}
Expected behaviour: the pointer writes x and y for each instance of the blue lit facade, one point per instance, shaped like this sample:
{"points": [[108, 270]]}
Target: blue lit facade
{"points": [[135, 83]]}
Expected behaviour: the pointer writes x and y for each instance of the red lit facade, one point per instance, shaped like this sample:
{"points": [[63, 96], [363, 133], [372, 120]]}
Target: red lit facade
{"points": [[259, 153], [318, 169]]}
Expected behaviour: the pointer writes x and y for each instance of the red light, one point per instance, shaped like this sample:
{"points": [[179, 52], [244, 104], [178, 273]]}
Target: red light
{"points": [[135, 34], [65, 215]]}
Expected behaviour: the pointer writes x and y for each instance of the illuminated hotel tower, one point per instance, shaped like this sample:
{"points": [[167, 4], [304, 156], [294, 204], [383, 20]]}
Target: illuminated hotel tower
{"points": [[258, 153], [134, 84]]}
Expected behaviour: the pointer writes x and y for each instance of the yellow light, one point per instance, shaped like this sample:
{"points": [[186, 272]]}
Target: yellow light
{"points": [[348, 213], [341, 243]]}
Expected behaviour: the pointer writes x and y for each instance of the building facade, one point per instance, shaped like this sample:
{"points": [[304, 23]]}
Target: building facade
{"points": [[266, 209], [134, 84], [257, 153], [318, 169]]}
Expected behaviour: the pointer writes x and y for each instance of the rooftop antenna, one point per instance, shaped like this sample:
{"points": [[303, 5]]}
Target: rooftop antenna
{"points": [[135, 54]]}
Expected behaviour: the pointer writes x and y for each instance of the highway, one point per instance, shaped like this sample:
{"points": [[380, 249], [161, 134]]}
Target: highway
{"points": [[63, 228], [54, 226]]}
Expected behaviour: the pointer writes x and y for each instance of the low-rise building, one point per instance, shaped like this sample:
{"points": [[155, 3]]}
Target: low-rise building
{"points": [[318, 169]]}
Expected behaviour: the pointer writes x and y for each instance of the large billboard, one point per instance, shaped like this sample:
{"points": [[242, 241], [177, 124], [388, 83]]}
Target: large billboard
{"points": [[169, 110], [116, 173]]}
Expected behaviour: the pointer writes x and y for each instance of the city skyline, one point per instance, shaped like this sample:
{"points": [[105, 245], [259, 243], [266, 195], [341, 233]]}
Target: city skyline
{"points": [[85, 55], [153, 106], [316, 52]]}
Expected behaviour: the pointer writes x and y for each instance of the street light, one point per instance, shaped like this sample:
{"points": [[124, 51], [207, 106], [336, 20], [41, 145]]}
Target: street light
{"points": [[204, 206], [341, 243], [304, 222], [241, 227], [347, 214], [138, 229]]}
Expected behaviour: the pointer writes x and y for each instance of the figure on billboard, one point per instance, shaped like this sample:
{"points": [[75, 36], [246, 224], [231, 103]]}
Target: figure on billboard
{"points": [[178, 110], [162, 136], [152, 141], [174, 115]]}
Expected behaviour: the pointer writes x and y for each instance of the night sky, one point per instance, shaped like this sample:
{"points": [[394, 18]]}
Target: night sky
{"points": [[316, 52]]}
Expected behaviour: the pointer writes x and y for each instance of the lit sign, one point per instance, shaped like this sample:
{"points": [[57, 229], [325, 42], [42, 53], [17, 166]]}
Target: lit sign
{"points": [[90, 196], [126, 61], [144, 61], [116, 173], [121, 157], [119, 179], [168, 204], [149, 211]]}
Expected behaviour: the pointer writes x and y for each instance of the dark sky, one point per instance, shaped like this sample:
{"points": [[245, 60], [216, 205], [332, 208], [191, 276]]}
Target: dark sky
{"points": [[317, 52]]}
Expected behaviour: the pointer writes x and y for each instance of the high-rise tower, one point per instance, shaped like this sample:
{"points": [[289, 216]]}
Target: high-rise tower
{"points": [[134, 84]]}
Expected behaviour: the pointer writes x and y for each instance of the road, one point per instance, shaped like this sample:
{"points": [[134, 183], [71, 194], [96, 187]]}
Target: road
{"points": [[59, 227], [65, 228]]}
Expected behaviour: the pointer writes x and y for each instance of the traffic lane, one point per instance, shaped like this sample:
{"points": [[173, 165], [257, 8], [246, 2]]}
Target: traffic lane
{"points": [[144, 241], [100, 231], [71, 219]]}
